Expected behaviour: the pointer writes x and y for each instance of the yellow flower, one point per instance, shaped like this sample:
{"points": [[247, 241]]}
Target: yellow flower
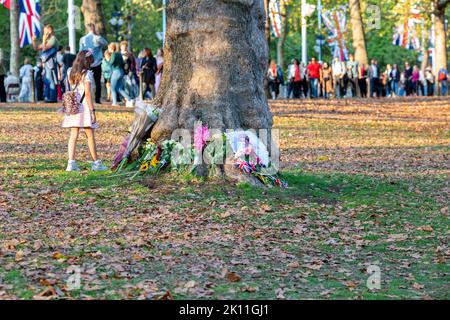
{"points": [[155, 161], [144, 167]]}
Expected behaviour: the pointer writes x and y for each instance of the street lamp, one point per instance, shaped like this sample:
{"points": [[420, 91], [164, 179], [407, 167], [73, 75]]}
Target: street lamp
{"points": [[116, 21]]}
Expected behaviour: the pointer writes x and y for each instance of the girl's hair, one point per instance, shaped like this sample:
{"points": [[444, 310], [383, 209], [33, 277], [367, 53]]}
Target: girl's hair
{"points": [[81, 65], [161, 50], [124, 43], [49, 27], [112, 46], [148, 52]]}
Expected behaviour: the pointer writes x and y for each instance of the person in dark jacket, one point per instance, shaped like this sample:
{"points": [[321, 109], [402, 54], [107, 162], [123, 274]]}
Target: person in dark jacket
{"points": [[408, 76], [148, 70], [395, 79], [2, 78]]}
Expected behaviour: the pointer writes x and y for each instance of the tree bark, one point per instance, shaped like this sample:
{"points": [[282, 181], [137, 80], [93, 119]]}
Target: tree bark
{"points": [[14, 63], [359, 40], [93, 13], [215, 62], [267, 23], [441, 38]]}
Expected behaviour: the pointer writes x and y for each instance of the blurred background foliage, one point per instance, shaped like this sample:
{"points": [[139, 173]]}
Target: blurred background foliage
{"points": [[147, 16]]}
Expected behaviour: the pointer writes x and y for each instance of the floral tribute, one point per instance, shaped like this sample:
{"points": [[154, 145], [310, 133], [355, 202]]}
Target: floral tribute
{"points": [[243, 148]]}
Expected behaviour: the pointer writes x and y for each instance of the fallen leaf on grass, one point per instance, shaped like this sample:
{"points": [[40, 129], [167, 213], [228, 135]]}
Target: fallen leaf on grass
{"points": [[190, 284], [294, 265], [351, 284], [418, 286], [397, 237], [19, 256], [47, 294], [426, 228], [233, 277]]}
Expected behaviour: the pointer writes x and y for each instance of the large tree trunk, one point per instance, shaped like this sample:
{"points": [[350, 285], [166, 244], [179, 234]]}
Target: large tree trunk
{"points": [[14, 63], [441, 39], [359, 40], [215, 62], [93, 13]]}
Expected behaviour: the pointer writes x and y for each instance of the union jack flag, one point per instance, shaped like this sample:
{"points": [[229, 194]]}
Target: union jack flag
{"points": [[29, 21], [5, 3]]}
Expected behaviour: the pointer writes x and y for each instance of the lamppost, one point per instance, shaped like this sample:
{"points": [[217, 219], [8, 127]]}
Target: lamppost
{"points": [[116, 21]]}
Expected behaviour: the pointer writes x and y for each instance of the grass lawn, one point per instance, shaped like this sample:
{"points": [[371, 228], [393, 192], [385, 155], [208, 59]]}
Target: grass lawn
{"points": [[369, 189]]}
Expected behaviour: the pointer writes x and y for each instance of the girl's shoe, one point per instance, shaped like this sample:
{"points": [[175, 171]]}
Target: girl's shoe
{"points": [[98, 166], [72, 166]]}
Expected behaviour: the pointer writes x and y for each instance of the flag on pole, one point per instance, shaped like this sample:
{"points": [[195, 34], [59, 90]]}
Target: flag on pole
{"points": [[29, 21], [335, 20], [276, 19], [406, 35], [5, 3]]}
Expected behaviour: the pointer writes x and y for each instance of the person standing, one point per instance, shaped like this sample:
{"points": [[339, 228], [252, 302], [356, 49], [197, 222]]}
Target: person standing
{"points": [[415, 81], [422, 83], [39, 80], [274, 76], [290, 86], [26, 74], [94, 42], [408, 78], [395, 79], [48, 50], [2, 78], [388, 81], [80, 79], [314, 76], [295, 78], [130, 78], [326, 77], [148, 69], [374, 76], [115, 63], [67, 60], [443, 81], [159, 68], [352, 75], [106, 72], [362, 80], [429, 78], [339, 70]]}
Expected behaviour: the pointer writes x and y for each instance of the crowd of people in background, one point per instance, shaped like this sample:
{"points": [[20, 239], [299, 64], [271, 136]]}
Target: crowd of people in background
{"points": [[119, 75], [345, 79]]}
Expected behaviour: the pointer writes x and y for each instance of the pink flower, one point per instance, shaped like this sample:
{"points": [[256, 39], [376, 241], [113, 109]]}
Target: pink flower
{"points": [[201, 136]]}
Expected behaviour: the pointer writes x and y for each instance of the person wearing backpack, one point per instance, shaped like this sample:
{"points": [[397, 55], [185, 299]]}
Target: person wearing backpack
{"points": [[443, 78], [78, 106]]}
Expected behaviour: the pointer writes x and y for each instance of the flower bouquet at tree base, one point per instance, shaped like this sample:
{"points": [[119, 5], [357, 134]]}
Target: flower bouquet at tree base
{"points": [[239, 155], [145, 118]]}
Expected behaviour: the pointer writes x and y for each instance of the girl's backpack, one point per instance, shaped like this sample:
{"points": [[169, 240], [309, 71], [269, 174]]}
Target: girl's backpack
{"points": [[442, 75], [71, 101]]}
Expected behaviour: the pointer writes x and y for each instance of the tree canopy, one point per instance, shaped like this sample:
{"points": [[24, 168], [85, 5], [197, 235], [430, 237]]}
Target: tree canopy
{"points": [[146, 21]]}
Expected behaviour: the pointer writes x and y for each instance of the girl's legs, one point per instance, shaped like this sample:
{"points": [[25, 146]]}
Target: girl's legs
{"points": [[115, 76], [91, 143], [117, 86], [108, 91], [73, 142]]}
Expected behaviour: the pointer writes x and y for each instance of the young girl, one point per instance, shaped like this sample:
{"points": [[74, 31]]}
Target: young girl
{"points": [[80, 78]]}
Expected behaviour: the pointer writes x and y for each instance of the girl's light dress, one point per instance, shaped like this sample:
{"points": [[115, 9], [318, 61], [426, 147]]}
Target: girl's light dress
{"points": [[82, 119]]}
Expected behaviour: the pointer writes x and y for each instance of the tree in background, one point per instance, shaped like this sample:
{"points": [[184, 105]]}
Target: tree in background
{"points": [[93, 13], [357, 26], [441, 37]]}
